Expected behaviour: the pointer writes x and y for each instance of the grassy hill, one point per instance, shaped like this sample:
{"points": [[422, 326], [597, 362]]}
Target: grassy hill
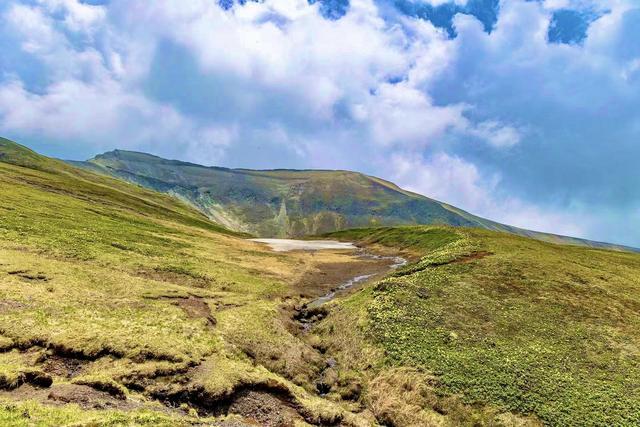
{"points": [[494, 320], [122, 306], [290, 203]]}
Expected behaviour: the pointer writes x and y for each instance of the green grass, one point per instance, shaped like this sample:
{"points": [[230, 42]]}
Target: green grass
{"points": [[512, 323], [32, 414], [94, 268], [415, 239], [486, 328]]}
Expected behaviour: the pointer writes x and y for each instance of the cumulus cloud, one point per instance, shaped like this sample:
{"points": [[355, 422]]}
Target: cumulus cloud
{"points": [[502, 122], [453, 180], [101, 114], [574, 101]]}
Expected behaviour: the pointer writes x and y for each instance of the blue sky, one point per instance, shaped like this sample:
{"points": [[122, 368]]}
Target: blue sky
{"points": [[525, 112]]}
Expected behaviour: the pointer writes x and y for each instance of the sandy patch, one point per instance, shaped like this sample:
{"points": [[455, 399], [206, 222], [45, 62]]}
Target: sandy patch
{"points": [[285, 245]]}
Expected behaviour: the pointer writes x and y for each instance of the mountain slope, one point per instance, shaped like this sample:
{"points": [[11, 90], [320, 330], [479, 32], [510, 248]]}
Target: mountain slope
{"points": [[501, 320], [290, 203], [123, 306], [118, 304]]}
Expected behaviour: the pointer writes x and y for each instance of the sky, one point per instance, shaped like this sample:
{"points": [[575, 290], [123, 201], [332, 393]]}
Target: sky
{"points": [[524, 112]]}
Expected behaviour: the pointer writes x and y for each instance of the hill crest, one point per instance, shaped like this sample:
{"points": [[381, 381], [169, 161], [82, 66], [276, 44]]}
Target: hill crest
{"points": [[297, 202]]}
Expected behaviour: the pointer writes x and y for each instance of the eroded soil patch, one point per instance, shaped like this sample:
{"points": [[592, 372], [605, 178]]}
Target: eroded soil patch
{"points": [[196, 308], [60, 394], [65, 367], [327, 276], [28, 276], [264, 408]]}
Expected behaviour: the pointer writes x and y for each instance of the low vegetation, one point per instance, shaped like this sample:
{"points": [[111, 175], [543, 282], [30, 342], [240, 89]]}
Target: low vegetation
{"points": [[162, 314], [122, 306], [498, 321]]}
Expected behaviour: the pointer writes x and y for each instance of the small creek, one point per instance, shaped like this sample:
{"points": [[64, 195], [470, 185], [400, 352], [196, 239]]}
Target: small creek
{"points": [[285, 245], [313, 311], [397, 263]]}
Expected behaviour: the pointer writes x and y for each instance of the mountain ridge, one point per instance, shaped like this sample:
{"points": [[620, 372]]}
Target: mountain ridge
{"points": [[114, 294], [298, 202]]}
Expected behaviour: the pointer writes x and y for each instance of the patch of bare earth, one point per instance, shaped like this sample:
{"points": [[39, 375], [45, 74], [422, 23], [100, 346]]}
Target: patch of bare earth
{"points": [[327, 276], [65, 367], [264, 408], [61, 394], [196, 308]]}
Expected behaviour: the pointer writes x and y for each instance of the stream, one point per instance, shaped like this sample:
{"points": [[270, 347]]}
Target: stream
{"points": [[313, 311], [397, 263], [284, 245]]}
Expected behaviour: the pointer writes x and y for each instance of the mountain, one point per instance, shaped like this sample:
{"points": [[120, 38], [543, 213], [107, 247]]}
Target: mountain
{"points": [[124, 306], [120, 305], [294, 203]]}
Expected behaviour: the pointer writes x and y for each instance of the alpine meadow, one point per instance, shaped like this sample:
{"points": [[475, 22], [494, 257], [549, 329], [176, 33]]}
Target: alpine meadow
{"points": [[348, 213], [121, 305]]}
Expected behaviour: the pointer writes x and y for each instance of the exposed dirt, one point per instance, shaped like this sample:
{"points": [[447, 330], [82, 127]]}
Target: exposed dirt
{"points": [[26, 275], [86, 396], [34, 377], [60, 394], [65, 367], [196, 308], [264, 408], [267, 403], [327, 276]]}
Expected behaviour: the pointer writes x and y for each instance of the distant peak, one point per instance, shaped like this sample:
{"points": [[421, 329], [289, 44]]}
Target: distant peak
{"points": [[127, 155]]}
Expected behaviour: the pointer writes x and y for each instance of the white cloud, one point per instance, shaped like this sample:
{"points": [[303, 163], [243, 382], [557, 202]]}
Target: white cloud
{"points": [[497, 134], [283, 48], [455, 181], [441, 2], [103, 115], [39, 37], [78, 16], [282, 86], [443, 177], [402, 115]]}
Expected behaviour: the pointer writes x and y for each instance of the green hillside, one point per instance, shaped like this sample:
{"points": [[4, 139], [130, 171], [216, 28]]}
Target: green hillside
{"points": [[294, 203], [122, 306], [494, 320], [279, 202]]}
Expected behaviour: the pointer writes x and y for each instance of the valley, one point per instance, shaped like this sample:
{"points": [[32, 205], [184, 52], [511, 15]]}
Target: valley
{"points": [[120, 305]]}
